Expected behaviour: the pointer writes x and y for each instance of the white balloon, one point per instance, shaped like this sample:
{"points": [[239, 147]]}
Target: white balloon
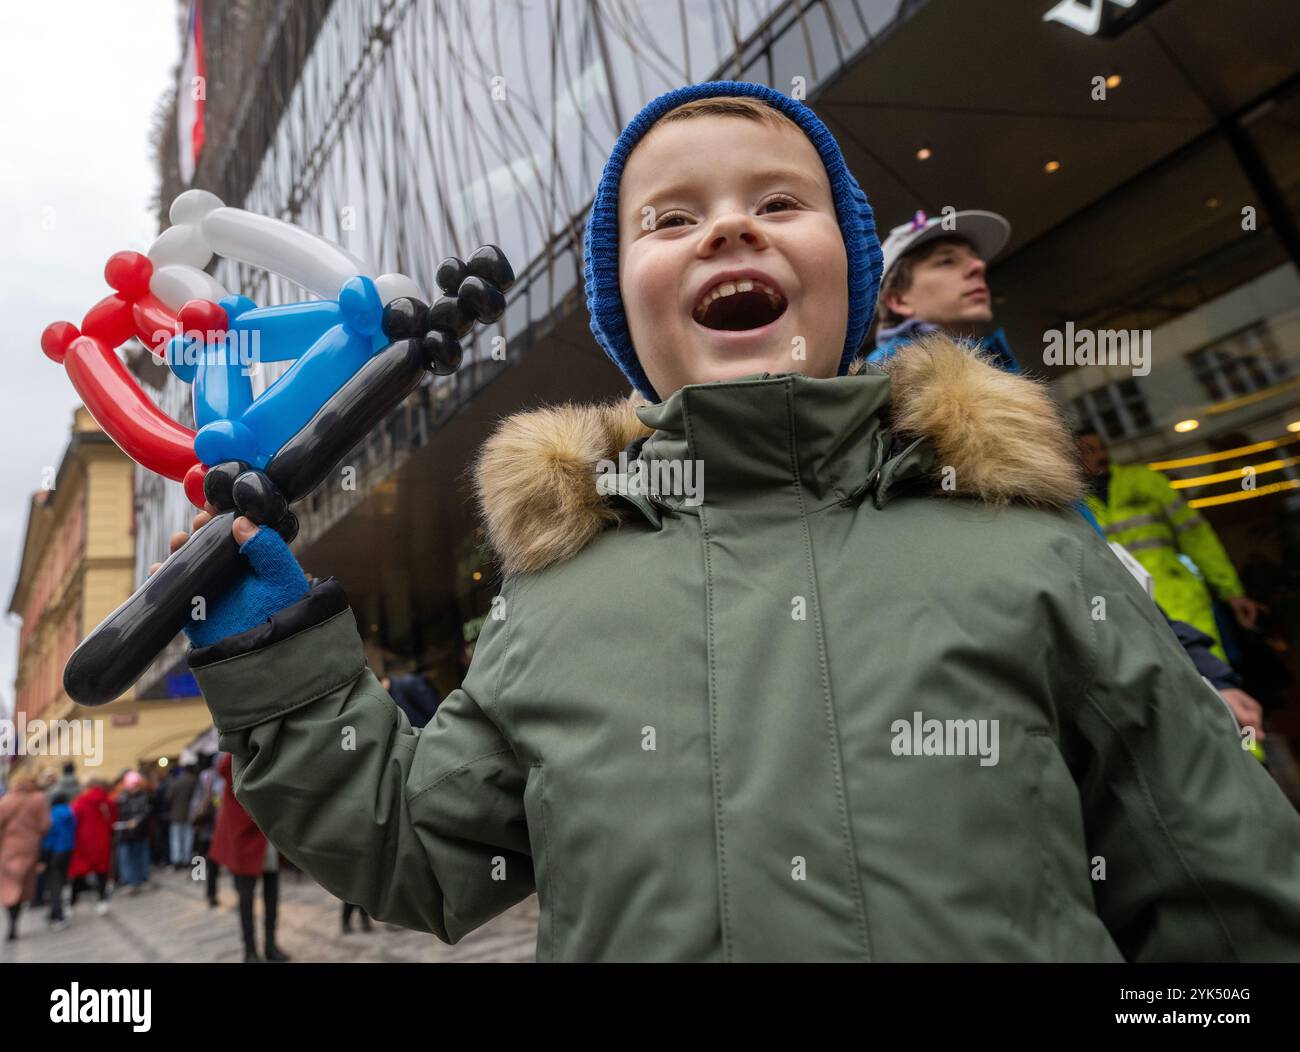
{"points": [[192, 206], [178, 283], [317, 265], [392, 286], [181, 244]]}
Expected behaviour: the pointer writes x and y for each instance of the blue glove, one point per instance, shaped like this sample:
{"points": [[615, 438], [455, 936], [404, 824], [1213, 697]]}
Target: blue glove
{"points": [[272, 581]]}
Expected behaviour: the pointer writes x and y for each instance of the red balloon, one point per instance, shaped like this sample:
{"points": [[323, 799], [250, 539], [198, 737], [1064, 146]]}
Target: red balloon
{"points": [[128, 416], [109, 320], [194, 484], [143, 431]]}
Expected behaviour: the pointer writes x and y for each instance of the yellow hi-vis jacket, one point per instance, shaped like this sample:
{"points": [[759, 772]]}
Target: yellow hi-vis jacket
{"points": [[1149, 518]]}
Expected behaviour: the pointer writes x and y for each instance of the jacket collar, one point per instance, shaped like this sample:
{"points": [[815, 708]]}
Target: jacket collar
{"points": [[933, 412], [756, 434]]}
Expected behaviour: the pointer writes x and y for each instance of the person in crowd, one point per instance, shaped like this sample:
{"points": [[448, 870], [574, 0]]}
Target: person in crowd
{"points": [[92, 851], [706, 718], [158, 784], [68, 784], [414, 695], [242, 848], [134, 809], [933, 280], [204, 802], [348, 909], [24, 820], [45, 783], [1139, 509], [58, 844], [180, 793]]}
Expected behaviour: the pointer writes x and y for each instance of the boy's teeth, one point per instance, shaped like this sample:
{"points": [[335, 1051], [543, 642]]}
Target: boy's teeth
{"points": [[730, 288]]}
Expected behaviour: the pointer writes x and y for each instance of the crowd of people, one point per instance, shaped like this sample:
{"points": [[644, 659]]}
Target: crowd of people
{"points": [[60, 839]]}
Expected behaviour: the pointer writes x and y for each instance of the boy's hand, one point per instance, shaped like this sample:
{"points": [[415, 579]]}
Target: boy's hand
{"points": [[272, 581], [242, 529]]}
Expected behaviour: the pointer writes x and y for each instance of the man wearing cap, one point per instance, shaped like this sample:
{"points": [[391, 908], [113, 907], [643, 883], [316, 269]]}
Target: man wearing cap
{"points": [[934, 280]]}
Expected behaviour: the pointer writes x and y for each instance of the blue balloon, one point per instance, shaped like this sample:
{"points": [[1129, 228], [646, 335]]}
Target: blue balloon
{"points": [[327, 341]]}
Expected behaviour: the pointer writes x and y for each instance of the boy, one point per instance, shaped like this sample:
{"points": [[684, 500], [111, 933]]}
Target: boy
{"points": [[793, 713]]}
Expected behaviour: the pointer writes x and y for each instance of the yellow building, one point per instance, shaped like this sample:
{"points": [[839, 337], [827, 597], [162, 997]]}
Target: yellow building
{"points": [[78, 565]]}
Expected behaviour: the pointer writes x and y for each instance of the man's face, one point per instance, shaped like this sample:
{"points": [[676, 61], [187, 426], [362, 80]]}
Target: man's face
{"points": [[948, 289], [702, 198], [1094, 454]]}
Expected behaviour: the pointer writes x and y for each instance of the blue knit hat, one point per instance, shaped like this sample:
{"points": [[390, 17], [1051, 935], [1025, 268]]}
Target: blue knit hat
{"points": [[600, 245]]}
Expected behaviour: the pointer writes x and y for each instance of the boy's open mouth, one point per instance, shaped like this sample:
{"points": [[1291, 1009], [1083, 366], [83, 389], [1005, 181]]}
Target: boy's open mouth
{"points": [[735, 306]]}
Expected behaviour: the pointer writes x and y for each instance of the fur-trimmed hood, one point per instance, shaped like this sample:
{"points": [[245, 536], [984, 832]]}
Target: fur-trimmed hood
{"points": [[1000, 433]]}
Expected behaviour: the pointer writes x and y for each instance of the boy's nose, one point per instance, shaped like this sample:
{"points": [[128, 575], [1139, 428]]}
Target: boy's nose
{"points": [[734, 227]]}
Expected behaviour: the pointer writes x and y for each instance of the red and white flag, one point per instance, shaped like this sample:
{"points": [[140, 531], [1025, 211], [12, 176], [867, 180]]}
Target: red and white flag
{"points": [[190, 98]]}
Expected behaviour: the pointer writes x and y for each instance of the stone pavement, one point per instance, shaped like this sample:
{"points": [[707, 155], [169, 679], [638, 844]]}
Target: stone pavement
{"points": [[173, 922]]}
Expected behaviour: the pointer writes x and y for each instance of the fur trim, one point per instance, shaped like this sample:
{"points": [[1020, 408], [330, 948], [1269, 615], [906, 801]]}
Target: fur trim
{"points": [[536, 481], [1001, 433]]}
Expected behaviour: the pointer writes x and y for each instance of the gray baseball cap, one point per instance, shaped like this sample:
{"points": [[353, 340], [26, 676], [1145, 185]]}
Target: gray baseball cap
{"points": [[987, 231]]}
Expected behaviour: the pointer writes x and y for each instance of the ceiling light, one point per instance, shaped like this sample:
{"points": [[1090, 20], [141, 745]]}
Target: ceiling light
{"points": [[1186, 425], [1113, 80], [924, 153], [1052, 166], [1293, 426], [1211, 202]]}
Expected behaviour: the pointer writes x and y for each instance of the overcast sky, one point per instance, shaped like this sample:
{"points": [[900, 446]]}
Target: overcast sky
{"points": [[78, 85]]}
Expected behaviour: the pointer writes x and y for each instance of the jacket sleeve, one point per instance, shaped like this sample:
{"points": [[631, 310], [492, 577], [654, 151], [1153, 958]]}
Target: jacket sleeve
{"points": [[423, 828], [1201, 848], [1196, 539], [1199, 647]]}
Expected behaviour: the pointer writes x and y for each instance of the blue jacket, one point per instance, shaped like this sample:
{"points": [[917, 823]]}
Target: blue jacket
{"points": [[63, 830], [994, 345]]}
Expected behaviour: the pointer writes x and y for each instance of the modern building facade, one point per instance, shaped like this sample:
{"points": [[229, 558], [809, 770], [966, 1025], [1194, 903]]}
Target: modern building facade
{"points": [[408, 131]]}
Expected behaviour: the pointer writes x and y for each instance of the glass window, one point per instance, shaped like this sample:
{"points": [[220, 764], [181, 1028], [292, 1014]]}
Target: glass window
{"points": [[1240, 364]]}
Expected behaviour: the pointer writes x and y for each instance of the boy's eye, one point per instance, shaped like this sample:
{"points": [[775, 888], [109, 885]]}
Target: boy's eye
{"points": [[667, 220]]}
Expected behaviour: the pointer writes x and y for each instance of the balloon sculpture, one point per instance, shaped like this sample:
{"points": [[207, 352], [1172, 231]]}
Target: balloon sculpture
{"points": [[357, 352]]}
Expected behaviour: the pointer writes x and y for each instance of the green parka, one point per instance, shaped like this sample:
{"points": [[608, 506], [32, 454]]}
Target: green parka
{"points": [[704, 730]]}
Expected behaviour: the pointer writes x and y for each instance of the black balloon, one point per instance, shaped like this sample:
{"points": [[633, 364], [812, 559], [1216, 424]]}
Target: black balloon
{"points": [[445, 314], [442, 352], [113, 656], [305, 461], [423, 338], [257, 497], [480, 300], [219, 483], [490, 264], [450, 273], [405, 318]]}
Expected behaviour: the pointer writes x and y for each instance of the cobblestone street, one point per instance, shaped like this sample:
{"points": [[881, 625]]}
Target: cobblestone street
{"points": [[172, 922]]}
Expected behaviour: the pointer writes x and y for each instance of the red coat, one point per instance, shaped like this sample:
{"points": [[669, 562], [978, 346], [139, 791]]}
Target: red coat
{"points": [[237, 843], [96, 813]]}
